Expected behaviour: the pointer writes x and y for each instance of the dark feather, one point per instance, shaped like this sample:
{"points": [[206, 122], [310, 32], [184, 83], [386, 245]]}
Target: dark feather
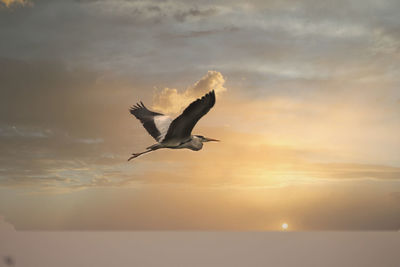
{"points": [[183, 125], [146, 117]]}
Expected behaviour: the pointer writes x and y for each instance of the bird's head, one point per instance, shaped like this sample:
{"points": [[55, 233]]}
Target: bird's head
{"points": [[206, 139]]}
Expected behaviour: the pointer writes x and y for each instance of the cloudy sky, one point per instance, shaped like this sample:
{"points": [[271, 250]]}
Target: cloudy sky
{"points": [[308, 111]]}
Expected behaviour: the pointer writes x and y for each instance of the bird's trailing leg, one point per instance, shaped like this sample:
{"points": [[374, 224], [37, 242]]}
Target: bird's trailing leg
{"points": [[135, 155], [149, 149]]}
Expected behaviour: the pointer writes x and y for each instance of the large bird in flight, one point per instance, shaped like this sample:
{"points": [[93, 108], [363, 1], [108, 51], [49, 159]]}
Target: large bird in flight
{"points": [[175, 133]]}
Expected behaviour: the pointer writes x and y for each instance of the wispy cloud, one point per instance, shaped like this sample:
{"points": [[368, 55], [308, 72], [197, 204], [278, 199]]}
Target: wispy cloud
{"points": [[25, 132], [90, 141]]}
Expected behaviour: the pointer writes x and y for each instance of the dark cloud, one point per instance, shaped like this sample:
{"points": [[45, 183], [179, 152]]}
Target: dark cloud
{"points": [[127, 36], [230, 29], [182, 16], [153, 11]]}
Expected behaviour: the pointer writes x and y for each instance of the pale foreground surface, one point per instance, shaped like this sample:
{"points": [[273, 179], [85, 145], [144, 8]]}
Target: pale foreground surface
{"points": [[200, 249]]}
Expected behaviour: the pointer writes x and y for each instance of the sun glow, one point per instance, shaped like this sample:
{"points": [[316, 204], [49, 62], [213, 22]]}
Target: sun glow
{"points": [[285, 226]]}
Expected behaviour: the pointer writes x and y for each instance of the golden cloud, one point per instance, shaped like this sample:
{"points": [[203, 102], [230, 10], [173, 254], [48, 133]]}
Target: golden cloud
{"points": [[170, 100], [10, 3]]}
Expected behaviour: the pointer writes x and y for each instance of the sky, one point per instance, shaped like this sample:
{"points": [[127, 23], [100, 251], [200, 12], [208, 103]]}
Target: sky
{"points": [[307, 111]]}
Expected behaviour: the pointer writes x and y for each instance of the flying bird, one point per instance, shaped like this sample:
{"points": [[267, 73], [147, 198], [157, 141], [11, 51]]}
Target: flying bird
{"points": [[177, 133]]}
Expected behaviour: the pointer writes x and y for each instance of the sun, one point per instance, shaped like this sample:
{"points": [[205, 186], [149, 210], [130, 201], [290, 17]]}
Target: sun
{"points": [[285, 226]]}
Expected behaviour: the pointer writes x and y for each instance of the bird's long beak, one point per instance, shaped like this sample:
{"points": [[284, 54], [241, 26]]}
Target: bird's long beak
{"points": [[210, 139]]}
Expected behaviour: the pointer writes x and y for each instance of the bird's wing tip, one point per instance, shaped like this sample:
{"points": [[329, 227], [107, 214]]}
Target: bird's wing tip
{"points": [[137, 106]]}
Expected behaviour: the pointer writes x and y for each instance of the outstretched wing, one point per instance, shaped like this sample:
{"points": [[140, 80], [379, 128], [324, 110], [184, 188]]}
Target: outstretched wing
{"points": [[183, 125], [156, 124]]}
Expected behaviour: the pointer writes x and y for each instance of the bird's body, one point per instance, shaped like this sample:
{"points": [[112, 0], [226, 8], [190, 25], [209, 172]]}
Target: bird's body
{"points": [[193, 143], [174, 134]]}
